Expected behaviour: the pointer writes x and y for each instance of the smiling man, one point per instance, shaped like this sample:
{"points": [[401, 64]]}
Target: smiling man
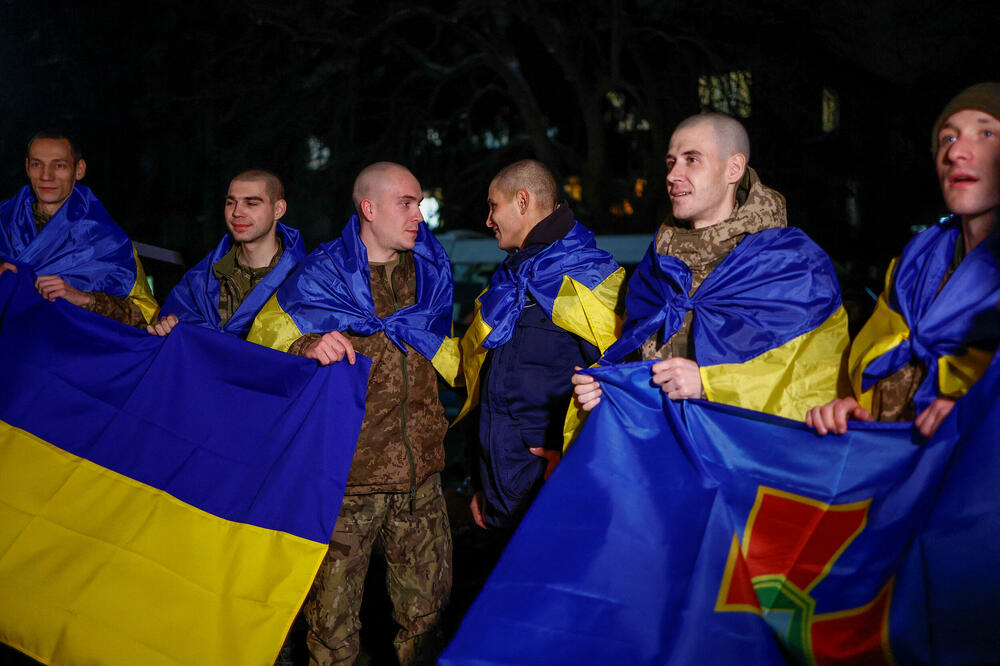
{"points": [[383, 289], [227, 289], [61, 231], [732, 305], [550, 306], [936, 326]]}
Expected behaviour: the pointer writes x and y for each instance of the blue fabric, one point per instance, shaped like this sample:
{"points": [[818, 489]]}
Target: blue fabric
{"points": [[331, 291], [241, 431], [195, 299], [623, 555], [541, 274], [775, 286], [963, 314], [81, 243]]}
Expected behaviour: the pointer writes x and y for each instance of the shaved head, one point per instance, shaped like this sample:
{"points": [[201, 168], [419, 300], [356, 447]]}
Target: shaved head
{"points": [[272, 184], [373, 179], [730, 135], [530, 175]]}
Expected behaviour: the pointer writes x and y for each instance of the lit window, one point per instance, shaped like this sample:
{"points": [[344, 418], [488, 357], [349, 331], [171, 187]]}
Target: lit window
{"points": [[319, 154], [831, 110], [573, 188], [726, 93]]}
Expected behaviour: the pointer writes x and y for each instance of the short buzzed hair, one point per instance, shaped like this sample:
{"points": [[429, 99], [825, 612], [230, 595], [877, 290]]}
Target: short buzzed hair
{"points": [[530, 175], [730, 134], [370, 178], [272, 184], [58, 135]]}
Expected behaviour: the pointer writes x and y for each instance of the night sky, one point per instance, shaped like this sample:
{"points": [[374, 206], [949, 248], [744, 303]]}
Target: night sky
{"points": [[169, 103]]}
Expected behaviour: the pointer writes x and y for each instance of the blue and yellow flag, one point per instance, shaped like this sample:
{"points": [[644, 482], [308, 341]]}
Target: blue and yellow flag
{"points": [[331, 291], [81, 244], [195, 299], [953, 330], [769, 329], [162, 500], [698, 533], [574, 282]]}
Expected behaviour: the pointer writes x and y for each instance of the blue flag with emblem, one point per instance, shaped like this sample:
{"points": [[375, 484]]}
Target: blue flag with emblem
{"points": [[162, 500], [698, 533]]}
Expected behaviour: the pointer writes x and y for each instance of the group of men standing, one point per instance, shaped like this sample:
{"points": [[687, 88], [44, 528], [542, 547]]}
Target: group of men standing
{"points": [[730, 304]]}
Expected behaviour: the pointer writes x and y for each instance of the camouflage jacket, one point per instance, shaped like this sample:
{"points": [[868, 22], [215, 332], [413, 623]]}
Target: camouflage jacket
{"points": [[757, 208], [402, 435]]}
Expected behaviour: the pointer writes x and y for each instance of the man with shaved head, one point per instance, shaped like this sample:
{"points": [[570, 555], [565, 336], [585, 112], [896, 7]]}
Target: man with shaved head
{"points": [[383, 289], [550, 306], [227, 289], [731, 304]]}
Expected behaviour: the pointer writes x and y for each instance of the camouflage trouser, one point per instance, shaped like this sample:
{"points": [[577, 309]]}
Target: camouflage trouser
{"points": [[417, 549]]}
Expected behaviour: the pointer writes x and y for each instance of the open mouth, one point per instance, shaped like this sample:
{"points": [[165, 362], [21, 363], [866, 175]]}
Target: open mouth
{"points": [[962, 178]]}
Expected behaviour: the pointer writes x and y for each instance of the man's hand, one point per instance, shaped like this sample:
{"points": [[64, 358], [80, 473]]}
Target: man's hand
{"points": [[927, 421], [679, 378], [476, 505], [332, 347], [832, 417], [7, 266], [52, 287], [164, 326], [552, 458], [586, 390]]}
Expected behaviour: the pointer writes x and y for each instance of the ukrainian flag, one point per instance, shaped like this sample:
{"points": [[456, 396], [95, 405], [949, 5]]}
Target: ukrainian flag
{"points": [[952, 329], [81, 244], [769, 329], [575, 283], [162, 500], [331, 291]]}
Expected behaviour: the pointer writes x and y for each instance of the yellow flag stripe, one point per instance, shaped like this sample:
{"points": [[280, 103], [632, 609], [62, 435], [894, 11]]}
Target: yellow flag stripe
{"points": [[141, 294], [273, 327], [96, 567], [788, 380]]}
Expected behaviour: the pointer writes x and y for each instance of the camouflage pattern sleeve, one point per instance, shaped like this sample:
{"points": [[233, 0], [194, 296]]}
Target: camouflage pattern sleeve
{"points": [[299, 346], [119, 309]]}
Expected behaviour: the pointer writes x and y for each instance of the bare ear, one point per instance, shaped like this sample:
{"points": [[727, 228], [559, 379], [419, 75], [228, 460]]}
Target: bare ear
{"points": [[736, 165], [280, 207], [523, 200], [81, 168], [367, 208]]}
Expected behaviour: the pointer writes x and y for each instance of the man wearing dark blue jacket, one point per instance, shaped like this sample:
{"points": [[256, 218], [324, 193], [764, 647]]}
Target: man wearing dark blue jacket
{"points": [[550, 306]]}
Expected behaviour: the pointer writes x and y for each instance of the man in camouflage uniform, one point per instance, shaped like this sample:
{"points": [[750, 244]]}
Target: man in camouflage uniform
{"points": [[227, 288], [393, 498], [717, 202], [109, 264]]}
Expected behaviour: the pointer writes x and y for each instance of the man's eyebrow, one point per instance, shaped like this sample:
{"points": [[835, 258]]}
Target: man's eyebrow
{"points": [[230, 197]]}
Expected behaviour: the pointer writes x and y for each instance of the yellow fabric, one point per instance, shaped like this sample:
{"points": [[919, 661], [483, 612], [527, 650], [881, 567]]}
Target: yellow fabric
{"points": [[473, 357], [273, 327], [786, 381], [957, 374], [141, 294], [448, 360], [96, 567], [883, 331]]}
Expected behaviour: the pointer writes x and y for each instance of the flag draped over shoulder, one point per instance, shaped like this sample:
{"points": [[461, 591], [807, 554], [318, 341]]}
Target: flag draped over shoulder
{"points": [[331, 291], [575, 283], [699, 533], [195, 299], [769, 329], [81, 244], [953, 330], [162, 500]]}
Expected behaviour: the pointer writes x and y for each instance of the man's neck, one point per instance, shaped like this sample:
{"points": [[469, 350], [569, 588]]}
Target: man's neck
{"points": [[721, 215], [49, 209], [977, 227], [259, 253]]}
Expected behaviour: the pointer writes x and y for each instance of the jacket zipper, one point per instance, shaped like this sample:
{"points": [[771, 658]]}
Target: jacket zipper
{"points": [[406, 395]]}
